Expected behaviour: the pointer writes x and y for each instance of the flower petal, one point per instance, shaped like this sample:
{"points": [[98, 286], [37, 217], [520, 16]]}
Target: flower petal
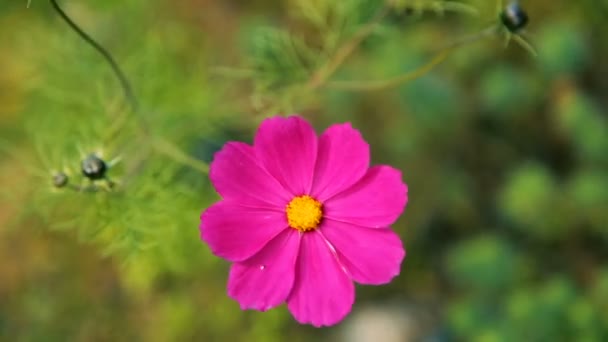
{"points": [[375, 201], [265, 280], [371, 256], [287, 148], [323, 293], [342, 160], [237, 175], [235, 233]]}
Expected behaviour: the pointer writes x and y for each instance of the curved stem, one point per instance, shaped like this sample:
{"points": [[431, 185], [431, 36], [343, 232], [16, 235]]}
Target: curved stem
{"points": [[177, 154], [391, 82], [126, 86], [412, 75], [159, 144]]}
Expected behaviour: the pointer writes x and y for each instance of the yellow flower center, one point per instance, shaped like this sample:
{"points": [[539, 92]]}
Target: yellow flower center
{"points": [[304, 213]]}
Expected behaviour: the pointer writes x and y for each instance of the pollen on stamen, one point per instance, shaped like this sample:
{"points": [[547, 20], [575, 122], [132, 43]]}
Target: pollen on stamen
{"points": [[304, 213]]}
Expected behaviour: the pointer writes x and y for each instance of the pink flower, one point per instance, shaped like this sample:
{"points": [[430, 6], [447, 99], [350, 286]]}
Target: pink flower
{"points": [[302, 217]]}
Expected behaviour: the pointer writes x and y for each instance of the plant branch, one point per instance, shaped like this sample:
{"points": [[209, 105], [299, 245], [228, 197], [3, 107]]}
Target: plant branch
{"points": [[414, 74], [391, 82], [320, 77], [167, 148], [126, 87], [161, 145]]}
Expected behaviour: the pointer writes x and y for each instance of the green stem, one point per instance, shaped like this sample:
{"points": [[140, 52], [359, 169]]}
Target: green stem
{"points": [[414, 74], [159, 144], [126, 87], [320, 77], [391, 82], [172, 151]]}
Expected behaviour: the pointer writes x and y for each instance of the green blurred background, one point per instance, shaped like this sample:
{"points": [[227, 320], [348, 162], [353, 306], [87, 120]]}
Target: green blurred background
{"points": [[505, 155]]}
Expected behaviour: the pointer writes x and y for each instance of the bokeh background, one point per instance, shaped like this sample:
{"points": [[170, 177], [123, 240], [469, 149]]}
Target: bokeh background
{"points": [[505, 155]]}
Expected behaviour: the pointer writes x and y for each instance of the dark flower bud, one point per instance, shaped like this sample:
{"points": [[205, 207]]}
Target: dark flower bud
{"points": [[60, 180], [94, 168], [513, 17]]}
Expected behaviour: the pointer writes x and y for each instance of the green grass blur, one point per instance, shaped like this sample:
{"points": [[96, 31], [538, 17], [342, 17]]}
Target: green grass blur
{"points": [[505, 156]]}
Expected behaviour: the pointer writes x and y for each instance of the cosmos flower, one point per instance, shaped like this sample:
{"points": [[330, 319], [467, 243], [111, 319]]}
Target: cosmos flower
{"points": [[302, 217]]}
